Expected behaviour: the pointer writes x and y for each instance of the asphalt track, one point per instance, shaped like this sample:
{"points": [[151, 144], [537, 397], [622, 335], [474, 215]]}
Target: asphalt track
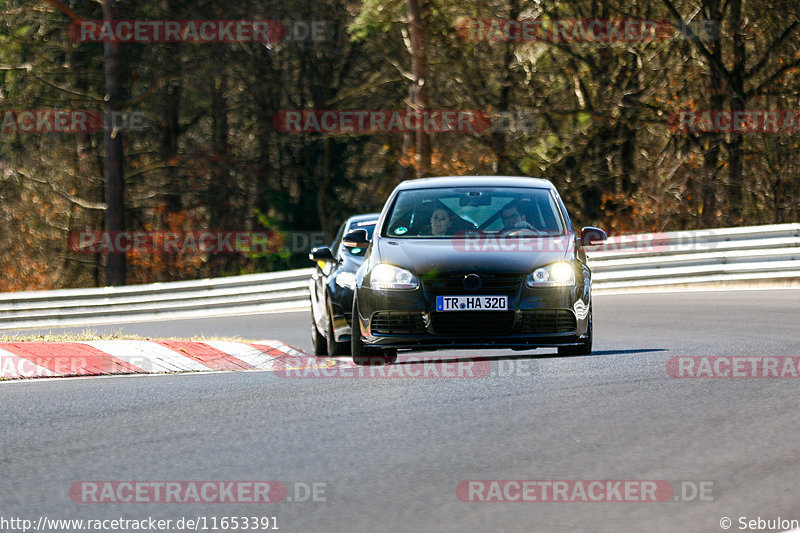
{"points": [[392, 451]]}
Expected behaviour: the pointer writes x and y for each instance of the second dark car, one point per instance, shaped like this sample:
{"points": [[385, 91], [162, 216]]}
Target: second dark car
{"points": [[332, 285]]}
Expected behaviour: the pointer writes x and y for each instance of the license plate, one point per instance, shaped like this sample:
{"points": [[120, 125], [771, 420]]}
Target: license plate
{"points": [[472, 303]]}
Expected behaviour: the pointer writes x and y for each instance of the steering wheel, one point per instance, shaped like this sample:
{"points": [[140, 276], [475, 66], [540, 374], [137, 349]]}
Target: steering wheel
{"points": [[523, 232]]}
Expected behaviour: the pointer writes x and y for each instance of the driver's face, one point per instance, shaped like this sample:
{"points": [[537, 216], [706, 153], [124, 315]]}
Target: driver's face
{"points": [[511, 216]]}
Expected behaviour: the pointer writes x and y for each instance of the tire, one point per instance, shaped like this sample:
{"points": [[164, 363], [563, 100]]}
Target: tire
{"points": [[317, 340], [364, 355], [333, 347], [585, 348]]}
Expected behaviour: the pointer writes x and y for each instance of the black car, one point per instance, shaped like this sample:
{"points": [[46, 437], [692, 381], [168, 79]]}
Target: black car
{"points": [[472, 262], [332, 287]]}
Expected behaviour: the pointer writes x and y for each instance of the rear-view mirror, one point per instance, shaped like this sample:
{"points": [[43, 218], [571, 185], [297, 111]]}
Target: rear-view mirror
{"points": [[591, 236], [358, 238]]}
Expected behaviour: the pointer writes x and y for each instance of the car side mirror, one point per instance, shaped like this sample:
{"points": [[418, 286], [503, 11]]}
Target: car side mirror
{"points": [[358, 238], [591, 235], [321, 253]]}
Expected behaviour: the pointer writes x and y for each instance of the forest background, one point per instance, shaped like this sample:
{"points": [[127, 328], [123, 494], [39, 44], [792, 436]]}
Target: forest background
{"points": [[200, 143]]}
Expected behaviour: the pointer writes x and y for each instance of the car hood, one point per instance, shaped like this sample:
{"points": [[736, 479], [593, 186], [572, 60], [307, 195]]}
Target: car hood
{"points": [[496, 254]]}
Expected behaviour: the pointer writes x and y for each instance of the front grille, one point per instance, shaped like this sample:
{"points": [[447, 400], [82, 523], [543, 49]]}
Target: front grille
{"points": [[452, 284], [544, 321], [397, 323], [471, 323]]}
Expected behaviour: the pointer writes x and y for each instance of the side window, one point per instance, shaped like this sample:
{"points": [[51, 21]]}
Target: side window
{"points": [[335, 246]]}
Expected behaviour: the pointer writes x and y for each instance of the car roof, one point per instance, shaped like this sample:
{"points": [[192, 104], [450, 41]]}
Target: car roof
{"points": [[362, 218], [475, 181]]}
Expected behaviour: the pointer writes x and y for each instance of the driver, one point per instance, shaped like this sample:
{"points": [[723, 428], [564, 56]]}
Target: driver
{"points": [[513, 219]]}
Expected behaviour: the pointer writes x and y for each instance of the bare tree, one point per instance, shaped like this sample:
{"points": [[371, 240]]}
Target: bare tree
{"points": [[418, 14], [114, 154]]}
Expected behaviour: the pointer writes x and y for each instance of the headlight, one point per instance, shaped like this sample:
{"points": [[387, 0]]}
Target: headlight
{"points": [[391, 277], [559, 274], [346, 280]]}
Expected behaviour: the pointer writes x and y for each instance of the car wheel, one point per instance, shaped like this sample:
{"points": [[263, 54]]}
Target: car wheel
{"points": [[317, 340], [585, 348], [333, 347], [364, 355]]}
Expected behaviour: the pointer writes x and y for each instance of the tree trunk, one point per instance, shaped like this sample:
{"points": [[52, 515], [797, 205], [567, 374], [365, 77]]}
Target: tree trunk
{"points": [[221, 188], [418, 11], [114, 154], [505, 165], [710, 186], [738, 103]]}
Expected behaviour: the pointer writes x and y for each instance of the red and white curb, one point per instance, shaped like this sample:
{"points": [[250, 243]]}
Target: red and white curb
{"points": [[19, 360]]}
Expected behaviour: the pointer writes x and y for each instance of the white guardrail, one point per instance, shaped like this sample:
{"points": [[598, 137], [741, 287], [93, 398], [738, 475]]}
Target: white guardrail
{"points": [[633, 261]]}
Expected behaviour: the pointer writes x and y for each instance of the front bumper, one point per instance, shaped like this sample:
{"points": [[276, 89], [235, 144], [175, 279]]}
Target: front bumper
{"points": [[546, 317]]}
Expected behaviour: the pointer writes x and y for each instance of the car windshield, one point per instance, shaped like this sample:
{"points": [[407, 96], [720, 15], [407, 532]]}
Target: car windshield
{"points": [[453, 212]]}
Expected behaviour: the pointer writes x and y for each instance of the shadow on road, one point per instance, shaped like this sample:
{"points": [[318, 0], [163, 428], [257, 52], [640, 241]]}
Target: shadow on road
{"points": [[410, 359], [625, 352]]}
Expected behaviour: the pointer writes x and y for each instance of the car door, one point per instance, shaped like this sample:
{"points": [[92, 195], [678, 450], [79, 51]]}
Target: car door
{"points": [[319, 281]]}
